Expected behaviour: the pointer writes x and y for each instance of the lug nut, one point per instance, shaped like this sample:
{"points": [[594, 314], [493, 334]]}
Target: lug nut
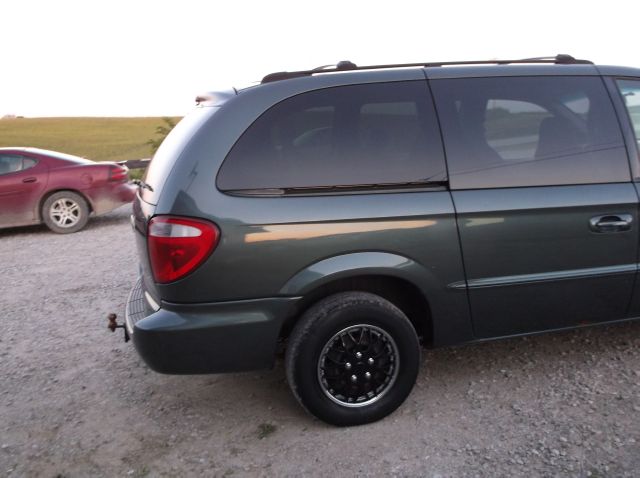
{"points": [[354, 379], [347, 366], [367, 375], [358, 355], [370, 361]]}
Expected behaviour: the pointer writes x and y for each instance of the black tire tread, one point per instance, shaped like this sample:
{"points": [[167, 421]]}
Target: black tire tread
{"points": [[315, 315]]}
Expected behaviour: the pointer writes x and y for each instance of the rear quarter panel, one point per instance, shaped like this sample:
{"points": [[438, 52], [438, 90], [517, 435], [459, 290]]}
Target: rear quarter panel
{"points": [[274, 247], [90, 180]]}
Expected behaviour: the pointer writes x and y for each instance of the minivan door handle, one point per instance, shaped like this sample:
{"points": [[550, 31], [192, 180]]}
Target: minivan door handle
{"points": [[611, 223], [29, 180]]}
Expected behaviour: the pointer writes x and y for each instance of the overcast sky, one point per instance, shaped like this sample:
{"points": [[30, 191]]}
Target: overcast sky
{"points": [[151, 58]]}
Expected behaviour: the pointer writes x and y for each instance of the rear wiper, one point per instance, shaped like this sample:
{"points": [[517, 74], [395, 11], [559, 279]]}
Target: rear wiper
{"points": [[142, 184]]}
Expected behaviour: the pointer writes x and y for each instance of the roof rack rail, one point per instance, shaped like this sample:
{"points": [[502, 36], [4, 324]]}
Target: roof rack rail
{"points": [[560, 59]]}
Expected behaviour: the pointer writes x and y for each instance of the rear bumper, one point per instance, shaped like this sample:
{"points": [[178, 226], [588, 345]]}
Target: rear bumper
{"points": [[206, 338]]}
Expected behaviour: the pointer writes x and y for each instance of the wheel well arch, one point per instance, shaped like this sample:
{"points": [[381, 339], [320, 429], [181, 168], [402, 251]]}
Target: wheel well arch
{"points": [[50, 193], [400, 292]]}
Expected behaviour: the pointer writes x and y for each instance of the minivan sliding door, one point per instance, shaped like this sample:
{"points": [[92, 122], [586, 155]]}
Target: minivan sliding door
{"points": [[546, 209]]}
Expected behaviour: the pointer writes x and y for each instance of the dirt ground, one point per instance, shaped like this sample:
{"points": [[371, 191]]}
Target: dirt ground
{"points": [[76, 401]]}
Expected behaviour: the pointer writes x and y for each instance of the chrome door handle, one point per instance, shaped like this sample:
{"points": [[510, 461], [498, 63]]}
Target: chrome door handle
{"points": [[611, 223]]}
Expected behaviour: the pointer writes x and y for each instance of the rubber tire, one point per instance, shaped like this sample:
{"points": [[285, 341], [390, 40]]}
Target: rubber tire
{"points": [[319, 324], [78, 199]]}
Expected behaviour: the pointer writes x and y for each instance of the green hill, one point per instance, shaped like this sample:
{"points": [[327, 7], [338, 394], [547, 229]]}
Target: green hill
{"points": [[100, 139]]}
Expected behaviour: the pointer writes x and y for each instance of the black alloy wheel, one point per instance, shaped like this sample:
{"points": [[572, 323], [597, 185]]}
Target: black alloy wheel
{"points": [[352, 358]]}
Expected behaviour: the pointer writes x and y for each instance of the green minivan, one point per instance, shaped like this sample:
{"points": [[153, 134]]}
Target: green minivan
{"points": [[354, 214]]}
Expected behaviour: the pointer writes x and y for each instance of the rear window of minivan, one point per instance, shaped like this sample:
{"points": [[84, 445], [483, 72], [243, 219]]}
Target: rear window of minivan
{"points": [[356, 135], [173, 145]]}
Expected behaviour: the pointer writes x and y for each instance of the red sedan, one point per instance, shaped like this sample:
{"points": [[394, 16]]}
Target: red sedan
{"points": [[60, 190]]}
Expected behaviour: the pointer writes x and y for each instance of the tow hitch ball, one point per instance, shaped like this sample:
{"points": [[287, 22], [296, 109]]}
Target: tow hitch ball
{"points": [[113, 325]]}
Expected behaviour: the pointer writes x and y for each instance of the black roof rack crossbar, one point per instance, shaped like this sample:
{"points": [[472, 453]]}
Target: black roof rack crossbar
{"points": [[560, 59]]}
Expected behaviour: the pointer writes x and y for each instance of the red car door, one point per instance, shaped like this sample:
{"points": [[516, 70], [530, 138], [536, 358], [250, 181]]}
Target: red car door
{"points": [[22, 182]]}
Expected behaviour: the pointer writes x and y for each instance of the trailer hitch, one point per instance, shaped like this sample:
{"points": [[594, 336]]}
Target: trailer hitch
{"points": [[113, 325]]}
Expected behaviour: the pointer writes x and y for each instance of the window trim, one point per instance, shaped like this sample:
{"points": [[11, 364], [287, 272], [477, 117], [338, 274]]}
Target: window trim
{"points": [[427, 186]]}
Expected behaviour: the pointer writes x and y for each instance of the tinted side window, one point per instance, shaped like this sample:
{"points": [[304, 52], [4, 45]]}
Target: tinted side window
{"points": [[10, 163], [382, 133], [630, 90], [526, 131]]}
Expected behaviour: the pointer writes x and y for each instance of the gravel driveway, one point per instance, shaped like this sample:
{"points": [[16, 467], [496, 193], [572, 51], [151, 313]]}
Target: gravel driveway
{"points": [[75, 400]]}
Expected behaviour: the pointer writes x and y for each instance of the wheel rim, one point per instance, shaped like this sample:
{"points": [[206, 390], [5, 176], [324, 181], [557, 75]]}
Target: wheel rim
{"points": [[65, 212], [358, 365]]}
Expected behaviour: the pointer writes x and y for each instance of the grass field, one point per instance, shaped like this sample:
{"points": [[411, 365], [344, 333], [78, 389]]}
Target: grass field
{"points": [[100, 139]]}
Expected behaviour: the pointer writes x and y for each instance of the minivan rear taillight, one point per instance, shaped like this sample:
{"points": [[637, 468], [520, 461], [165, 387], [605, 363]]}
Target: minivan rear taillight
{"points": [[178, 245]]}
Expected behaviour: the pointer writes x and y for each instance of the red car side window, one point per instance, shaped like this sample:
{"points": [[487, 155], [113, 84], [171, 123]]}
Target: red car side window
{"points": [[28, 163], [10, 163]]}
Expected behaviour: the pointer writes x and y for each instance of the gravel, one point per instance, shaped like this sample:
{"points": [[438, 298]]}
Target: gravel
{"points": [[75, 400]]}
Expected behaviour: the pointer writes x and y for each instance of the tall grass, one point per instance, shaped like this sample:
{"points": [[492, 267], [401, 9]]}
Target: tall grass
{"points": [[100, 139]]}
